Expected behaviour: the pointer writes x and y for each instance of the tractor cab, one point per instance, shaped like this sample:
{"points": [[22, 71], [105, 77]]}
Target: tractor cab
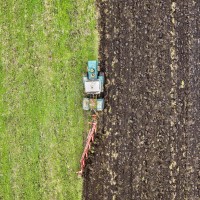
{"points": [[94, 86]]}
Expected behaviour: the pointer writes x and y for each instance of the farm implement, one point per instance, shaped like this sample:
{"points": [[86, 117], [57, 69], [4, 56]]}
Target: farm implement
{"points": [[93, 82]]}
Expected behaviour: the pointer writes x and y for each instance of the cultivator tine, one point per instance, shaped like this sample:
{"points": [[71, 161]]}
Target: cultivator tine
{"points": [[95, 129], [83, 163]]}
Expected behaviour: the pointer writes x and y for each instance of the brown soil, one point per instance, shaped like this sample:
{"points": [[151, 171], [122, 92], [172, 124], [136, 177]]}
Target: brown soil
{"points": [[148, 139]]}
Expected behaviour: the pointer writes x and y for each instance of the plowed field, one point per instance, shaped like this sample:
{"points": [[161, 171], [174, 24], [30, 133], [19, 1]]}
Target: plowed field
{"points": [[148, 139]]}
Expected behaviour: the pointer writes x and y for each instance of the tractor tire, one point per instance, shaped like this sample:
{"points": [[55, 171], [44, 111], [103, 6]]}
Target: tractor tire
{"points": [[85, 77], [101, 74]]}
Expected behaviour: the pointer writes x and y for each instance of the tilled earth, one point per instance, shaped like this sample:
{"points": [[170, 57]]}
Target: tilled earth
{"points": [[147, 145]]}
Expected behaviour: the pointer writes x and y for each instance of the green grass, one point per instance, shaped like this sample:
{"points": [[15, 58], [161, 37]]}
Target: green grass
{"points": [[44, 47]]}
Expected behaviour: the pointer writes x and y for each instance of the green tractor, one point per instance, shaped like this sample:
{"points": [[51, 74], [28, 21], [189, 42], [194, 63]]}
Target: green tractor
{"points": [[94, 87]]}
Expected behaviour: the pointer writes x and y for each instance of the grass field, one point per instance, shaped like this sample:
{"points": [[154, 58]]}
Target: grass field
{"points": [[44, 47]]}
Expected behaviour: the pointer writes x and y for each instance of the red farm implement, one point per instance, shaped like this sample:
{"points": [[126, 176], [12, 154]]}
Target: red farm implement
{"points": [[90, 139]]}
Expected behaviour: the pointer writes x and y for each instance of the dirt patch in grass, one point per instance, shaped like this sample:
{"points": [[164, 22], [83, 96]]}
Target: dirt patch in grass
{"points": [[148, 138]]}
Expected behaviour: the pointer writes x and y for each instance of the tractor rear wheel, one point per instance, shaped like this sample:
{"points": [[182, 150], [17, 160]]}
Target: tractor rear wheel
{"points": [[101, 74]]}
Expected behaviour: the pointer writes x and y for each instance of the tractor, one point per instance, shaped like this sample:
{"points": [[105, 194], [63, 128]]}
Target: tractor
{"points": [[93, 82]]}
